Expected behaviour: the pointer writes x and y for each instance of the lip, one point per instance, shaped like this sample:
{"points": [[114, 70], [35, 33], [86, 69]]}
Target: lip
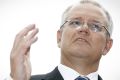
{"points": [[82, 40]]}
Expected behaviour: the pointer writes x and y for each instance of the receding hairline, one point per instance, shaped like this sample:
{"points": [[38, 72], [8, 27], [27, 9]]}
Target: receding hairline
{"points": [[104, 12], [82, 2]]}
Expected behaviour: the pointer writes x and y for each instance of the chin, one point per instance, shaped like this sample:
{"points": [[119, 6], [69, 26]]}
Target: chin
{"points": [[80, 53]]}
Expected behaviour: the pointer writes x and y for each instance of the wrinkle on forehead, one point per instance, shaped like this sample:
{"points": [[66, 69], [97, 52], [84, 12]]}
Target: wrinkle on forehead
{"points": [[87, 11]]}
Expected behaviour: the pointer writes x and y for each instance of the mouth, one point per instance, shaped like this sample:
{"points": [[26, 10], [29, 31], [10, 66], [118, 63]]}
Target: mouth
{"points": [[82, 40]]}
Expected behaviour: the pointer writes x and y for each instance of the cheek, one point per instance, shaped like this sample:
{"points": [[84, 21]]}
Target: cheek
{"points": [[99, 42], [66, 38]]}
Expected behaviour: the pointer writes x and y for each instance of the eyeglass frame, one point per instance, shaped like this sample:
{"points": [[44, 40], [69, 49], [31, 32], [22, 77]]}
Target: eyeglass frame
{"points": [[71, 20]]}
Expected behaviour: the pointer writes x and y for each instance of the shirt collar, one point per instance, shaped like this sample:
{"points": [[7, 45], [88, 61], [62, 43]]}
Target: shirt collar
{"points": [[70, 74]]}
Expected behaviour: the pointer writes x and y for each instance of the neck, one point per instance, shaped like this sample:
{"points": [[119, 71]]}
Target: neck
{"points": [[82, 66]]}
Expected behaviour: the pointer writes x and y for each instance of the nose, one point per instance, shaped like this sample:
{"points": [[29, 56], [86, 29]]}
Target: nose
{"points": [[84, 29]]}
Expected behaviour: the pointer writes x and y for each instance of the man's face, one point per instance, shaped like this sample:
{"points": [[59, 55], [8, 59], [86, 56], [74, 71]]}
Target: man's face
{"points": [[81, 41]]}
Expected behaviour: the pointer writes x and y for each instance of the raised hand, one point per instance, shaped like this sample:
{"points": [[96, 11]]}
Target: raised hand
{"points": [[19, 58]]}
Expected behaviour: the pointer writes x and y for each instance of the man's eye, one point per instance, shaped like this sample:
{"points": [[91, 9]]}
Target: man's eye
{"points": [[96, 27], [76, 23]]}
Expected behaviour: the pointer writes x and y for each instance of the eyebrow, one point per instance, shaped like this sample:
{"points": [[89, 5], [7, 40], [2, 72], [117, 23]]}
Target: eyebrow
{"points": [[91, 20], [96, 21], [75, 18]]}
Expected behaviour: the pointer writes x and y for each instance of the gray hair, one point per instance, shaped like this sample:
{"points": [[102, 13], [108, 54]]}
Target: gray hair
{"points": [[109, 22]]}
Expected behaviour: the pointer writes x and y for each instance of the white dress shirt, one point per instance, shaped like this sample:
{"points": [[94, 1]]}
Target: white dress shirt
{"points": [[70, 74]]}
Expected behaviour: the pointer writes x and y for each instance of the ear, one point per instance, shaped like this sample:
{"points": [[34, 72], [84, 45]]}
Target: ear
{"points": [[59, 35], [108, 46]]}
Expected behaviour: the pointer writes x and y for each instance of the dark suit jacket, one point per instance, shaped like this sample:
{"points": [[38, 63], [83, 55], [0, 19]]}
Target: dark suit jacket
{"points": [[54, 75]]}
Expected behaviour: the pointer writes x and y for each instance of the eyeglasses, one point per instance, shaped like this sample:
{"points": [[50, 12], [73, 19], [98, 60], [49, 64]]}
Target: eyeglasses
{"points": [[94, 26]]}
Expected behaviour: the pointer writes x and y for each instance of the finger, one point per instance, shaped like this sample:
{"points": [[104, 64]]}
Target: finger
{"points": [[25, 31], [30, 36], [27, 45], [34, 40], [22, 33], [30, 42]]}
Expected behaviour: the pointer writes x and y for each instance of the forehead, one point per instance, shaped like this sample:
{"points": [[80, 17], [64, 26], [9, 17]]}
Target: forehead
{"points": [[87, 11]]}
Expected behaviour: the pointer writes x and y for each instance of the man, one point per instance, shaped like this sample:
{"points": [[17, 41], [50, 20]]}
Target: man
{"points": [[84, 36]]}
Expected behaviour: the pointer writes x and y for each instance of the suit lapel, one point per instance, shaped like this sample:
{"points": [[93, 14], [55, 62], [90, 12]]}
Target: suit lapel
{"points": [[54, 75], [99, 78]]}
